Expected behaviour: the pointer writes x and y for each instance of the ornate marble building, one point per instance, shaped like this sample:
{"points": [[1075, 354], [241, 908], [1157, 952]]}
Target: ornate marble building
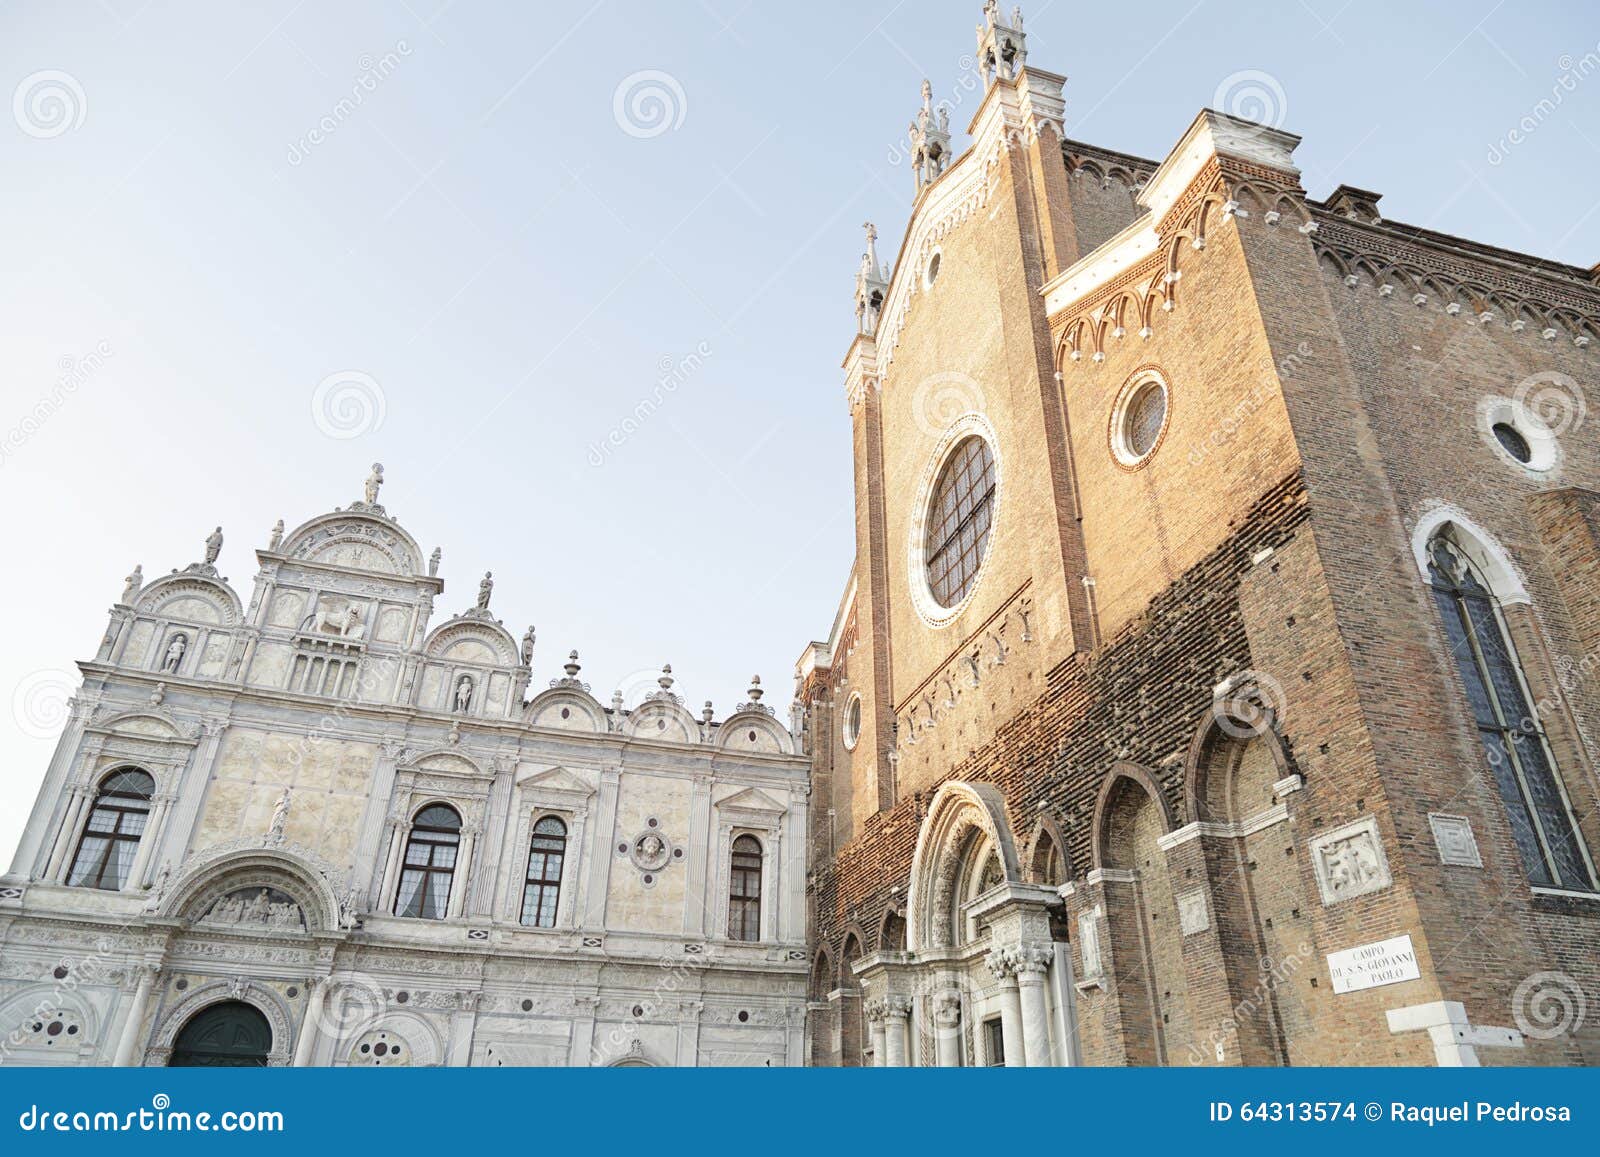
{"points": [[1215, 679], [321, 827]]}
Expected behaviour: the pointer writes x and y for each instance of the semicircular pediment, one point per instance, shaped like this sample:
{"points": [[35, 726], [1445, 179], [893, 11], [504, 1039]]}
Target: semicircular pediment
{"points": [[356, 541], [191, 598]]}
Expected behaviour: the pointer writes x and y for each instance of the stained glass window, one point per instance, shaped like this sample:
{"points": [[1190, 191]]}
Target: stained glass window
{"points": [[1512, 735]]}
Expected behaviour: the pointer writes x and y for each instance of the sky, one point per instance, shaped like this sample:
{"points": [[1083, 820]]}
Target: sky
{"points": [[248, 250]]}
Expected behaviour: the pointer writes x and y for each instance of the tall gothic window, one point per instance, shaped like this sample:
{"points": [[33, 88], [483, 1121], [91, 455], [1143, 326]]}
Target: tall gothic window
{"points": [[543, 885], [110, 841], [1513, 740], [430, 863], [744, 890]]}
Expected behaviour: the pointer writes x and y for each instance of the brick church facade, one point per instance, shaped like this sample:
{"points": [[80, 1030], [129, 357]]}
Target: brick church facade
{"points": [[1216, 678]]}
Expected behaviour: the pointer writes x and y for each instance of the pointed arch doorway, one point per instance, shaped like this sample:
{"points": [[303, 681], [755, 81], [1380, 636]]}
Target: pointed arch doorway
{"points": [[232, 1034]]}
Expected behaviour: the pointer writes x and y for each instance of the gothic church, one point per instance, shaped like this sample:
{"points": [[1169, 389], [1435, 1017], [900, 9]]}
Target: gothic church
{"points": [[1214, 683]]}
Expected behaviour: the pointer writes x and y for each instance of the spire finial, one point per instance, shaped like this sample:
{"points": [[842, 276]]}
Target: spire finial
{"points": [[930, 141], [1001, 48], [666, 680], [872, 284]]}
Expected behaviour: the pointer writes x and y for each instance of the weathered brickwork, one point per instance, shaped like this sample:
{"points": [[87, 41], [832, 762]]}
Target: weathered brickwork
{"points": [[1198, 744]]}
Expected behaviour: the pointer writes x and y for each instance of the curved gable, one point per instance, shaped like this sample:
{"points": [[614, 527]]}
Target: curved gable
{"points": [[356, 541]]}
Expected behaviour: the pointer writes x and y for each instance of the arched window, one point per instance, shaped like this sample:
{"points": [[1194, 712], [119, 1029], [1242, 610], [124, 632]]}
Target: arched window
{"points": [[744, 890], [1513, 739], [110, 841], [430, 863], [543, 884]]}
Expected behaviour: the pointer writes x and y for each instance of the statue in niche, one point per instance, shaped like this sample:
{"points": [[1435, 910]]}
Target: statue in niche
{"points": [[349, 906], [527, 648], [213, 546], [464, 693], [276, 538], [174, 655], [280, 817], [433, 562], [132, 583], [374, 480], [485, 589]]}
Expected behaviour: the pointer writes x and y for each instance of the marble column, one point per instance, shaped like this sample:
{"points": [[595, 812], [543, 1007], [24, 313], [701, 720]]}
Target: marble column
{"points": [[1031, 965], [1001, 964], [947, 1030], [128, 1051], [57, 867], [461, 883], [896, 1025], [875, 1013], [309, 1027]]}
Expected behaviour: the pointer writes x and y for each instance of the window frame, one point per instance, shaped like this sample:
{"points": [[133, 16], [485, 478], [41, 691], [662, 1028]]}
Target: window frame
{"points": [[745, 907], [994, 1042], [544, 883], [929, 609], [1506, 729], [116, 836], [423, 834], [1137, 385], [952, 586]]}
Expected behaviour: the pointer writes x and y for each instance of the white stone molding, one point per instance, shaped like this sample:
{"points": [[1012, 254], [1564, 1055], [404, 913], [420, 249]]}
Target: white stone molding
{"points": [[1249, 826], [1194, 911], [1481, 548], [1452, 835], [1455, 1039], [263, 998]]}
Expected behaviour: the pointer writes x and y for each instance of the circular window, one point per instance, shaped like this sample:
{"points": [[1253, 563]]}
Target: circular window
{"points": [[958, 520], [931, 274], [957, 502], [1512, 442], [1518, 435], [1139, 419], [852, 722]]}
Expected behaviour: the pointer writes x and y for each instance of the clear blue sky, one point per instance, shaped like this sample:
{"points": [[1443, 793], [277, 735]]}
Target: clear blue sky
{"points": [[512, 260]]}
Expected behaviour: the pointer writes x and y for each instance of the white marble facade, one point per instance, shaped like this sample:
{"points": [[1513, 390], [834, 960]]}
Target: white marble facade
{"points": [[285, 752]]}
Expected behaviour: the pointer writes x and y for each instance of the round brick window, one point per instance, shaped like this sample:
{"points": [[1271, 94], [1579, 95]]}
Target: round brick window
{"points": [[1139, 419]]}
